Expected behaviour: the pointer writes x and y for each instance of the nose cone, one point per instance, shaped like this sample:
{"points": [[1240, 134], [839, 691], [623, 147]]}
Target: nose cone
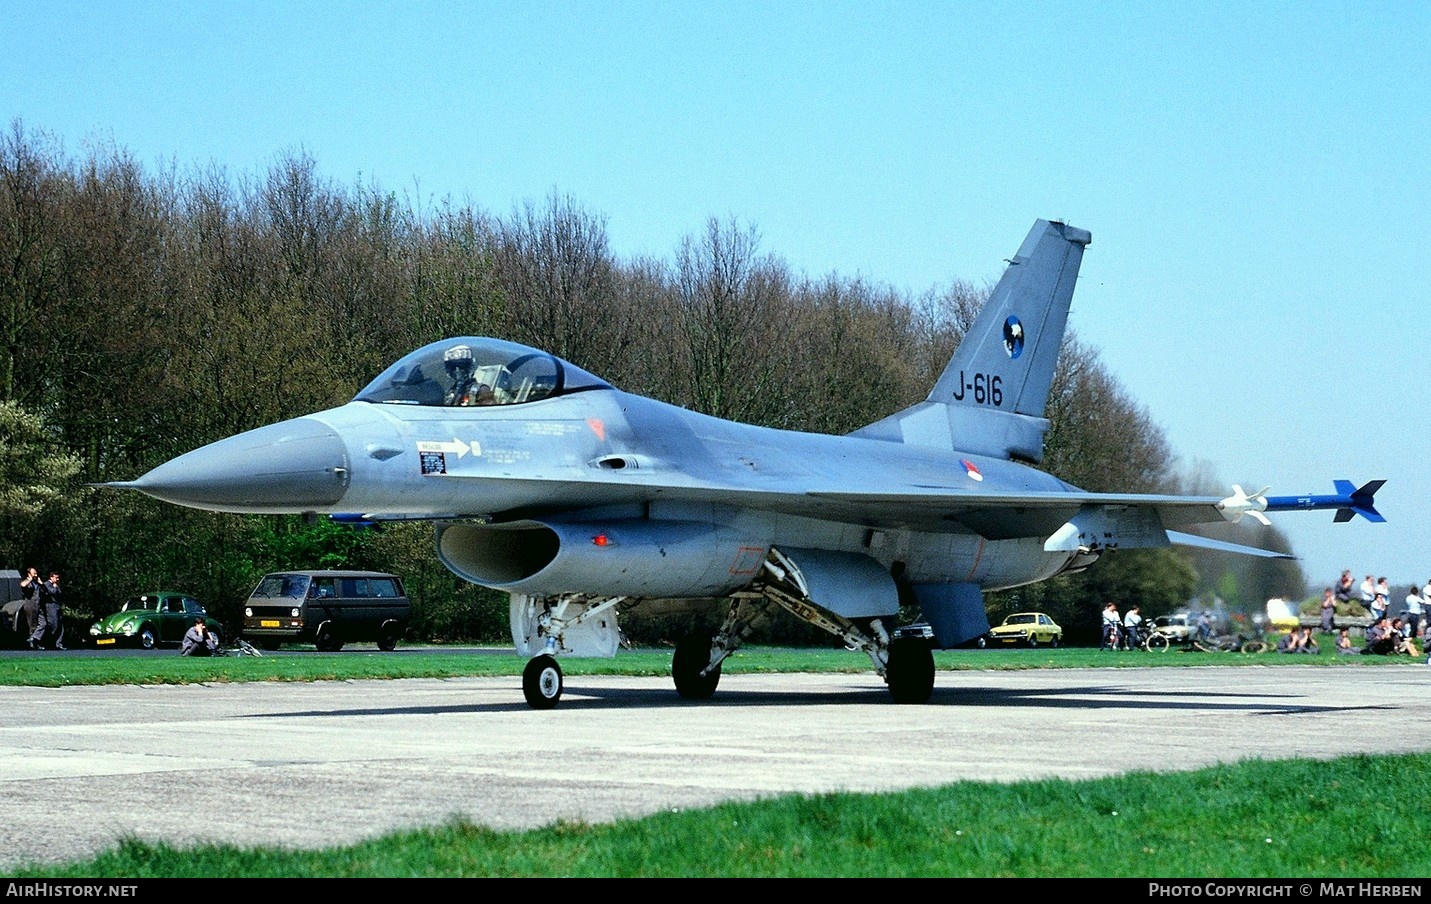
{"points": [[295, 466]]}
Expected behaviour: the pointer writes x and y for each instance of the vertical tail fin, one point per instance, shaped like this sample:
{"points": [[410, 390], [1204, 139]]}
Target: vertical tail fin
{"points": [[990, 399]]}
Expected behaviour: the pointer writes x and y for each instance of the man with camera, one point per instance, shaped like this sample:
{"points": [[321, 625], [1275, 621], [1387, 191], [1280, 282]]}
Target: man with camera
{"points": [[43, 611]]}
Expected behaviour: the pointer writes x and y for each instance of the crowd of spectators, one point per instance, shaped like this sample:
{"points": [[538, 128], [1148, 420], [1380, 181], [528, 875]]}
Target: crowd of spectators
{"points": [[1387, 635]]}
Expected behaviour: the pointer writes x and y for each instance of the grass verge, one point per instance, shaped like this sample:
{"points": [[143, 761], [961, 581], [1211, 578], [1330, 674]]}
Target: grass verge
{"points": [[1297, 818], [56, 670]]}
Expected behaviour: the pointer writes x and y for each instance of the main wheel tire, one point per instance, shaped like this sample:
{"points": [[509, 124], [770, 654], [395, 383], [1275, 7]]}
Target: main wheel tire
{"points": [[148, 640], [327, 639], [1158, 643], [693, 653], [542, 682], [1255, 646], [909, 672]]}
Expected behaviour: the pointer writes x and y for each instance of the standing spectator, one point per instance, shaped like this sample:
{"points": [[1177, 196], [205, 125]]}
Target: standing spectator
{"points": [[1110, 626], [1368, 593], [1204, 626], [1345, 586], [33, 611], [1425, 603], [1329, 611], [1132, 628], [53, 634], [1414, 607]]}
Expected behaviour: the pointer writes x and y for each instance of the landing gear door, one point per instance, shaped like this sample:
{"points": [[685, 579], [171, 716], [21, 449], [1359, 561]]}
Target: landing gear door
{"points": [[848, 584], [563, 627]]}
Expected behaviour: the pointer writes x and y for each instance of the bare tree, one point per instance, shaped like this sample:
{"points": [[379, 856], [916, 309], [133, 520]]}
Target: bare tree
{"points": [[556, 272], [857, 352], [37, 476], [31, 265], [1101, 438], [734, 305], [450, 285]]}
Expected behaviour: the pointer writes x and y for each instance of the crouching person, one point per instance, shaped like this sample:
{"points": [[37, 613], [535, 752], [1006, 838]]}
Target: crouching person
{"points": [[199, 640]]}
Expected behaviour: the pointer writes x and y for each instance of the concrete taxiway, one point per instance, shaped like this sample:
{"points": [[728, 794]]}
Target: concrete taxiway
{"points": [[329, 763]]}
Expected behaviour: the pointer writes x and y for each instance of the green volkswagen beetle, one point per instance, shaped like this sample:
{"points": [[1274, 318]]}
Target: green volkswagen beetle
{"points": [[151, 619]]}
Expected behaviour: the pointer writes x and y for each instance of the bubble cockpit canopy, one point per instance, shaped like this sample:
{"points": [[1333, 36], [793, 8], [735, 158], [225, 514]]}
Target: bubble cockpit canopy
{"points": [[470, 370]]}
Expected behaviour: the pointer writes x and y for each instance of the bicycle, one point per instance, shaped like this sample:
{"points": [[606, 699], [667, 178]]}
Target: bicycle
{"points": [[241, 648], [1112, 637], [1155, 641], [1228, 643]]}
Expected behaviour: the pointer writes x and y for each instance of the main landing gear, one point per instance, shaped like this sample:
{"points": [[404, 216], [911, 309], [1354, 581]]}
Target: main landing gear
{"points": [[691, 668], [586, 626], [909, 671]]}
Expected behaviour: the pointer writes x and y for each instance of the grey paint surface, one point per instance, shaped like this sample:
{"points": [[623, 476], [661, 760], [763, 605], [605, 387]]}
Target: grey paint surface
{"points": [[315, 765]]}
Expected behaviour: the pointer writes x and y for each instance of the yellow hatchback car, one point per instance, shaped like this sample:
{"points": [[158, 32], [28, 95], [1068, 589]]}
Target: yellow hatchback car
{"points": [[1031, 628]]}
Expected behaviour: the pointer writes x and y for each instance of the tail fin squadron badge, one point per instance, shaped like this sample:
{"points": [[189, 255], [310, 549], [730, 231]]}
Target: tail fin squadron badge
{"points": [[1013, 337]]}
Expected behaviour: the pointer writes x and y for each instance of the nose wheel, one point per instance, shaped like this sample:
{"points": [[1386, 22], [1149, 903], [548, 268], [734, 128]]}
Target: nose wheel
{"points": [[542, 682]]}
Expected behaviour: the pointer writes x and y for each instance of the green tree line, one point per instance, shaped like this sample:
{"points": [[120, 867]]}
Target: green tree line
{"points": [[146, 312]]}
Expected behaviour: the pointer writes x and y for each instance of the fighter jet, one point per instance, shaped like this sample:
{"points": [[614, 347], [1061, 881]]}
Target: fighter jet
{"points": [[581, 500]]}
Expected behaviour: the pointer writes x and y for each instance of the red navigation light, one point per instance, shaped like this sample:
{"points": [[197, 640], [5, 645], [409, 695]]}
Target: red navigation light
{"points": [[601, 540]]}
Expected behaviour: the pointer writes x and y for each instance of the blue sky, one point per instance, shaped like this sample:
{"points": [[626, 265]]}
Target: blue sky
{"points": [[1255, 176]]}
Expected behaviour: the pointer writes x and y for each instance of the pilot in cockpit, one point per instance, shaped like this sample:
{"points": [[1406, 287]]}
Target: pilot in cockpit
{"points": [[463, 387]]}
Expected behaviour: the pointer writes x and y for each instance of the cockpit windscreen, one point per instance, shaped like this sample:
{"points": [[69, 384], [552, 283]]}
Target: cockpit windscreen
{"points": [[475, 371]]}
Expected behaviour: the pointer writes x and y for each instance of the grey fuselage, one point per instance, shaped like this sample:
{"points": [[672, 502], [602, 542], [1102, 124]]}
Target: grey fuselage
{"points": [[605, 458]]}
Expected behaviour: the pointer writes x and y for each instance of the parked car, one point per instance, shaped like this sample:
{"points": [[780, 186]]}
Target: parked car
{"points": [[925, 632], [327, 609], [1178, 629], [918, 630], [1031, 628], [14, 630], [151, 619]]}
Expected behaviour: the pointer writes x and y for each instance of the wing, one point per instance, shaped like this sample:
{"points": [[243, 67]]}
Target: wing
{"points": [[1065, 520]]}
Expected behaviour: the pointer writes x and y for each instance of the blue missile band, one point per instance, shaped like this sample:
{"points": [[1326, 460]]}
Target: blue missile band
{"points": [[1291, 503]]}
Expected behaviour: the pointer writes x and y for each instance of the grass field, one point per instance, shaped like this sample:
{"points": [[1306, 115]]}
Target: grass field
{"points": [[1359, 817]]}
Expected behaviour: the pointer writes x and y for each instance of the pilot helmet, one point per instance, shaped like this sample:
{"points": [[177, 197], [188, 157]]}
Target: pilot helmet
{"points": [[458, 360]]}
